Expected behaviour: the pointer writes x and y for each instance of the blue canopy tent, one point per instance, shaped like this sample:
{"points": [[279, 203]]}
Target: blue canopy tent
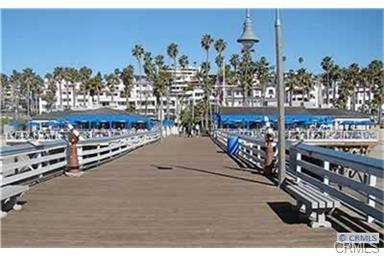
{"points": [[105, 120], [168, 123], [245, 120], [366, 122]]}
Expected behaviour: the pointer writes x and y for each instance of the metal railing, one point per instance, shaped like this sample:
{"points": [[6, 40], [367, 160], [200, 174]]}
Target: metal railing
{"points": [[357, 181]]}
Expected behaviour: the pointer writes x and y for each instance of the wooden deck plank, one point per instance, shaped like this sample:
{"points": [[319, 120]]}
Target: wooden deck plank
{"points": [[180, 193]]}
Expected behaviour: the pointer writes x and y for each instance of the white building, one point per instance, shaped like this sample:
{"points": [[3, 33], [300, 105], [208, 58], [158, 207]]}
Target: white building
{"points": [[184, 90]]}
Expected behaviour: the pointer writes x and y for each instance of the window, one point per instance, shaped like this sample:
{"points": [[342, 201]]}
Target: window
{"points": [[270, 91]]}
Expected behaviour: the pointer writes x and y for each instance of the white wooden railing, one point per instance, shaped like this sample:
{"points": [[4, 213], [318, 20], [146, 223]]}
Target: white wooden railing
{"points": [[357, 181], [309, 135], [25, 163]]}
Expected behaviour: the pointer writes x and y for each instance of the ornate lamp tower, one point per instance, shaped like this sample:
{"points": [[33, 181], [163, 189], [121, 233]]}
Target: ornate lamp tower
{"points": [[248, 37]]}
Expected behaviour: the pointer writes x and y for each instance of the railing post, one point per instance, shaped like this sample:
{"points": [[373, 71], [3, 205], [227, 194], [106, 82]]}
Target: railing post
{"points": [[80, 155], [325, 178], [72, 154], [371, 198], [258, 151], [298, 167]]}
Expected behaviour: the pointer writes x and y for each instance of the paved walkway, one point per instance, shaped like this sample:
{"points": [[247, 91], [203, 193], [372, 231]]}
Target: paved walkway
{"points": [[180, 193]]}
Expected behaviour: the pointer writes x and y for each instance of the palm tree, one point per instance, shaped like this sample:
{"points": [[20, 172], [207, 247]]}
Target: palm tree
{"points": [[96, 85], [262, 72], [220, 46], [206, 42], [362, 81], [49, 95], [327, 64], [304, 79], [335, 76], [290, 84], [3, 84], [183, 61], [138, 53], [127, 77], [73, 78], [111, 80], [246, 74], [159, 61], [15, 81], [38, 90], [85, 75], [354, 73], [58, 76], [28, 80], [375, 80], [235, 62], [148, 70], [172, 52], [67, 77]]}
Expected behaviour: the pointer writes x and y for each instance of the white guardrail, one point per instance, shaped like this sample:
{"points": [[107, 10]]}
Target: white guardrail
{"points": [[317, 135], [25, 163], [357, 181]]}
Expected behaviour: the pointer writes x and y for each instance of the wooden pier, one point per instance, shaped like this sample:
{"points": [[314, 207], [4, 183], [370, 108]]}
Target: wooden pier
{"points": [[183, 192]]}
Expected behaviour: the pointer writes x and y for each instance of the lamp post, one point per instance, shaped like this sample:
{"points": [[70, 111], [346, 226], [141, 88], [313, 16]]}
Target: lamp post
{"points": [[247, 38], [280, 100]]}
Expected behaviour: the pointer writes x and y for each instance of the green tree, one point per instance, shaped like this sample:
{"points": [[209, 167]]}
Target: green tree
{"points": [[85, 75], [335, 76], [305, 80], [172, 52], [58, 76], [96, 85], [375, 83], [4, 82], [138, 53], [111, 81], [327, 65], [127, 77], [262, 72], [183, 61], [290, 84], [49, 95], [246, 74], [15, 80], [161, 81], [206, 43]]}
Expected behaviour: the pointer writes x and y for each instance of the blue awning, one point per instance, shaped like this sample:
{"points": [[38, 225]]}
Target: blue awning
{"points": [[289, 118]]}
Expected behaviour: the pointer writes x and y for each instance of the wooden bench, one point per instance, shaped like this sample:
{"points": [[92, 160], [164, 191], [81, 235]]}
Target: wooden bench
{"points": [[312, 202], [9, 195]]}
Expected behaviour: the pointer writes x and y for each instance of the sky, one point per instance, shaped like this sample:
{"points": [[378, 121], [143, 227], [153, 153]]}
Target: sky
{"points": [[103, 39]]}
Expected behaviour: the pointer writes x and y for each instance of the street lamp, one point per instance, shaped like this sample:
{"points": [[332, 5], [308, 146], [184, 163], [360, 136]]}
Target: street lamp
{"points": [[247, 38], [280, 100]]}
